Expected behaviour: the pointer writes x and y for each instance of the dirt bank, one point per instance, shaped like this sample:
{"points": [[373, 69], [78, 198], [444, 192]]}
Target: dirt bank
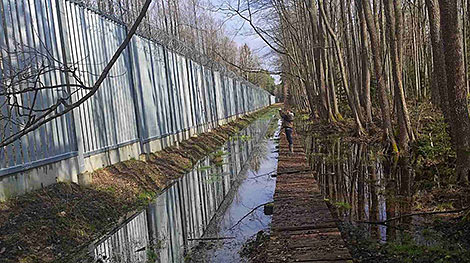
{"points": [[54, 223]]}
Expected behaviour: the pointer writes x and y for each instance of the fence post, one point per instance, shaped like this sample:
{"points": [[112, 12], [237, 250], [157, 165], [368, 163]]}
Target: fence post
{"points": [[132, 83], [76, 130], [135, 99]]}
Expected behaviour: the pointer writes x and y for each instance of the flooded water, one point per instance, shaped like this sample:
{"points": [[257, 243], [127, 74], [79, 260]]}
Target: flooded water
{"points": [[363, 183], [202, 207], [242, 214]]}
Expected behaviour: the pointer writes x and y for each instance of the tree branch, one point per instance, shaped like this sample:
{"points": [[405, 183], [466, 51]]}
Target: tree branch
{"points": [[44, 118], [384, 222], [249, 213]]}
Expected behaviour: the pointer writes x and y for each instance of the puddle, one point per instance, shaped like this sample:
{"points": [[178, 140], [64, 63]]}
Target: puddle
{"points": [[202, 205]]}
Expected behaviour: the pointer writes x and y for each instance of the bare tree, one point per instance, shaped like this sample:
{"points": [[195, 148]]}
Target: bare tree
{"points": [[353, 103], [378, 65], [439, 76], [394, 19]]}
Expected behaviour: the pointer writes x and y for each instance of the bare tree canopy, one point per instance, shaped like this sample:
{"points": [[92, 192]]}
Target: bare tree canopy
{"points": [[370, 54]]}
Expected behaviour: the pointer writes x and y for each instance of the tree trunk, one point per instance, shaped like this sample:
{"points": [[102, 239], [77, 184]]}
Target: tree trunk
{"points": [[331, 77], [464, 42], [365, 66], [452, 42], [439, 75], [394, 26], [377, 58]]}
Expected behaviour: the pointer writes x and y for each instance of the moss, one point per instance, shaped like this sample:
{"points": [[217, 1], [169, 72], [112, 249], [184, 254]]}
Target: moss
{"points": [[205, 168], [144, 198], [342, 205], [439, 243]]}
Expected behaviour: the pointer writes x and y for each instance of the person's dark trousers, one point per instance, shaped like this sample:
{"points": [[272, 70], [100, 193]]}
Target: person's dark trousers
{"points": [[290, 139]]}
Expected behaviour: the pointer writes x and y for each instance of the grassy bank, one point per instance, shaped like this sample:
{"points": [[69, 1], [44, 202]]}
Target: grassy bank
{"points": [[55, 223]]}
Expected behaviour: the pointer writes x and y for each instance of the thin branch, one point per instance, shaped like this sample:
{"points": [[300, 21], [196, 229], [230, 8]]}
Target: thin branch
{"points": [[249, 213], [209, 238]]}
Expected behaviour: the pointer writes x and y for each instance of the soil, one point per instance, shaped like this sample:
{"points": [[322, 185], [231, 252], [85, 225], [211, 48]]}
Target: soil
{"points": [[55, 224]]}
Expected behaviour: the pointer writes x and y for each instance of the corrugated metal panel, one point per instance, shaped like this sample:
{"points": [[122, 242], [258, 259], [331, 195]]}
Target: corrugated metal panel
{"points": [[28, 38], [151, 91], [105, 118]]}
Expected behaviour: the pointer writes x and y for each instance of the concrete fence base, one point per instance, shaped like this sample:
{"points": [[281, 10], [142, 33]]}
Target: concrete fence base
{"points": [[67, 170], [36, 178]]}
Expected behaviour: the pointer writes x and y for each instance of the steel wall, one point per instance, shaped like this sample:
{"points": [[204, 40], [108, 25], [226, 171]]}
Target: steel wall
{"points": [[151, 91], [106, 117], [29, 35]]}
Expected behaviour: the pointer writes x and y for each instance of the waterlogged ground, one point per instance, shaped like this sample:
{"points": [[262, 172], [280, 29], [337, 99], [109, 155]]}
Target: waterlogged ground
{"points": [[374, 194], [391, 209], [206, 203]]}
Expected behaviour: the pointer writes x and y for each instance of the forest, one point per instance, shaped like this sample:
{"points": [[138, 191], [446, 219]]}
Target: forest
{"points": [[392, 75], [374, 62], [391, 80]]}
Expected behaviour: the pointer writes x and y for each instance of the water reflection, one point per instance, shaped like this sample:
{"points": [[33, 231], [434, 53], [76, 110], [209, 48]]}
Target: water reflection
{"points": [[364, 183], [237, 219], [179, 217]]}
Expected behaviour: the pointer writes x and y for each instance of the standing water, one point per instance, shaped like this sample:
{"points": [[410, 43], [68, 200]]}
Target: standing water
{"points": [[242, 214], [363, 183], [204, 208]]}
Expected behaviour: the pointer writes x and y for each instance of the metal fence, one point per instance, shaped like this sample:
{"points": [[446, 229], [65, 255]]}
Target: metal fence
{"points": [[152, 91]]}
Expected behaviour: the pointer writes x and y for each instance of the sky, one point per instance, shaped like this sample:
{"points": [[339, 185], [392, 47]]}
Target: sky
{"points": [[242, 33]]}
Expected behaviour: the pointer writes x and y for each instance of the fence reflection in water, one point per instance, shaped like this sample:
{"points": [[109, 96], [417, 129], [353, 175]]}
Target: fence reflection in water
{"points": [[182, 212]]}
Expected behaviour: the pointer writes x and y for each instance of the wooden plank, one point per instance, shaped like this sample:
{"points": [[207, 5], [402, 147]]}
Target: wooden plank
{"points": [[303, 229]]}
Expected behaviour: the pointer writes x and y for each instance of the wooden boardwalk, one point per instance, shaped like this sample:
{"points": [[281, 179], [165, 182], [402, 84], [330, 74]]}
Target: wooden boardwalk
{"points": [[303, 229]]}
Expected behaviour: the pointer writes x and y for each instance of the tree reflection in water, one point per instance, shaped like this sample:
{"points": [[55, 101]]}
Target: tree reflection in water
{"points": [[363, 183]]}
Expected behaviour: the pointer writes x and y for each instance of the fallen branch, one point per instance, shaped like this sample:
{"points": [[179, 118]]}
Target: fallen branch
{"points": [[249, 213], [384, 222], [275, 174], [209, 238], [261, 175], [295, 172]]}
